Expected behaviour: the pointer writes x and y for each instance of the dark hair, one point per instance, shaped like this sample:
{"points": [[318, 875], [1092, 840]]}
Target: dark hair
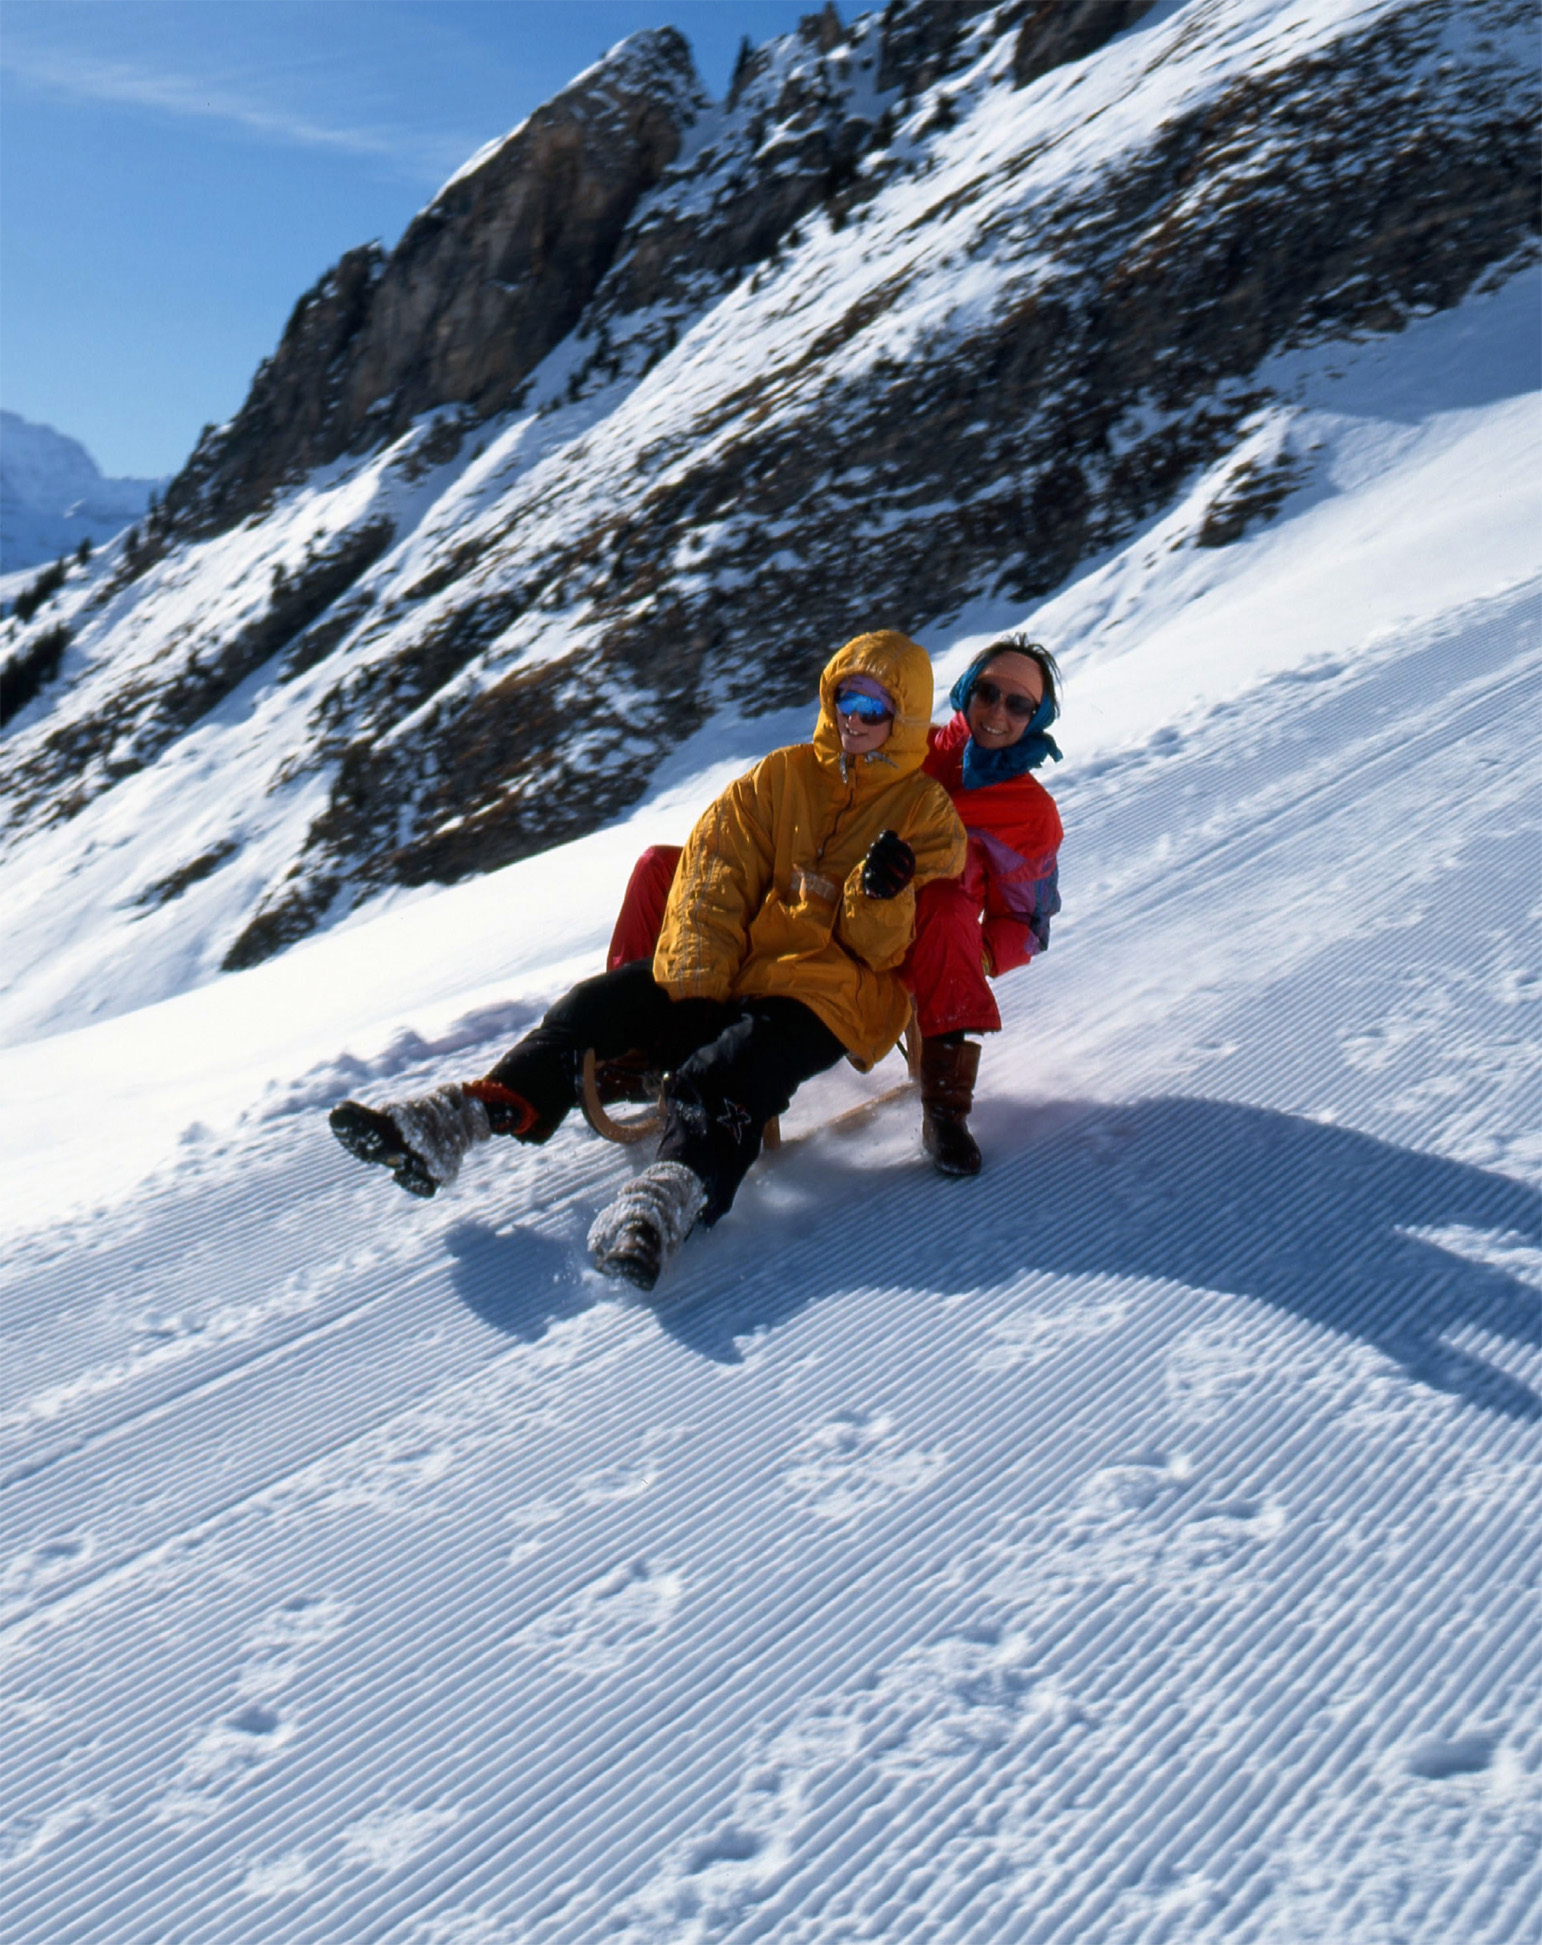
{"points": [[1020, 644]]}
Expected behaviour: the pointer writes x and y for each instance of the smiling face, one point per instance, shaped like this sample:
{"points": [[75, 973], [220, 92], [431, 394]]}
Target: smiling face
{"points": [[859, 738], [1013, 679], [861, 733]]}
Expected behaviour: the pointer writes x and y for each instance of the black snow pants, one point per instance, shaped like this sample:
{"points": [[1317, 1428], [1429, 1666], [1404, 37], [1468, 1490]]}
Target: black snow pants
{"points": [[729, 1066]]}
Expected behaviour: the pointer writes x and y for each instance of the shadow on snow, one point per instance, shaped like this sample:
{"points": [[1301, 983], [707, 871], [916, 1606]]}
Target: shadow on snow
{"points": [[521, 1284], [1310, 1218]]}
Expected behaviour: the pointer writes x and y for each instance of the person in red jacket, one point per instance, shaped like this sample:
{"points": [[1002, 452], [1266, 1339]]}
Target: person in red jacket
{"points": [[995, 917], [970, 929]]}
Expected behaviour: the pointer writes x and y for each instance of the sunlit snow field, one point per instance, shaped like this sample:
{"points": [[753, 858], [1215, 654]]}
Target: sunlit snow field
{"points": [[1138, 1542]]}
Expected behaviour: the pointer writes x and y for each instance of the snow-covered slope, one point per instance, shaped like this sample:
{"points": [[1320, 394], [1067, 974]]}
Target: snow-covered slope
{"points": [[1137, 1543], [53, 495], [906, 321]]}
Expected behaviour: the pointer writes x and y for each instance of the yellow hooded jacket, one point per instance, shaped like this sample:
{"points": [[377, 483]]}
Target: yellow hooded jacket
{"points": [[768, 896]]}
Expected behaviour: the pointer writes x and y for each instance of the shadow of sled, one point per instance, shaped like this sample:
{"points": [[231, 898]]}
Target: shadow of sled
{"points": [[1310, 1218]]}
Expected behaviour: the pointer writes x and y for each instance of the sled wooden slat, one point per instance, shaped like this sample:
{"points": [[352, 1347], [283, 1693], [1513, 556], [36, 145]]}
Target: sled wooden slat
{"points": [[650, 1122]]}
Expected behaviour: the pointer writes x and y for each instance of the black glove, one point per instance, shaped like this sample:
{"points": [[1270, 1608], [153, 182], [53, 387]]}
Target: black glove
{"points": [[889, 866]]}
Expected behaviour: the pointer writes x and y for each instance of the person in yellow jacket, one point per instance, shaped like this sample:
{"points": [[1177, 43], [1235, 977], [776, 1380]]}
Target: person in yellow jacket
{"points": [[788, 922]]}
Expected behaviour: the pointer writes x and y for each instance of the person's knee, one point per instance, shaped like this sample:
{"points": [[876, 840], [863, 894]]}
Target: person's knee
{"points": [[584, 1008]]}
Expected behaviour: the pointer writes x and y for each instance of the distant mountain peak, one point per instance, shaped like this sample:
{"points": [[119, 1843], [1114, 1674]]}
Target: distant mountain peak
{"points": [[53, 495]]}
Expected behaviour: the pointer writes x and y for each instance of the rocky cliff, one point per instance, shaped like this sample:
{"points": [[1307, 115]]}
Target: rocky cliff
{"points": [[484, 283], [659, 399]]}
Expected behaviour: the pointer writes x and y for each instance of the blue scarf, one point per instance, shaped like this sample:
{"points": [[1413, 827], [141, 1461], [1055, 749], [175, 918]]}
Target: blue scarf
{"points": [[981, 766]]}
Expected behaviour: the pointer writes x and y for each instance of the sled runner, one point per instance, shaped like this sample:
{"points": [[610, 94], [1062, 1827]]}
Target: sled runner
{"points": [[635, 1128], [650, 1122]]}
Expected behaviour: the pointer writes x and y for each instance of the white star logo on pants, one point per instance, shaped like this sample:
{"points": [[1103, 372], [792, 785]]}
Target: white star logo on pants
{"points": [[734, 1119]]}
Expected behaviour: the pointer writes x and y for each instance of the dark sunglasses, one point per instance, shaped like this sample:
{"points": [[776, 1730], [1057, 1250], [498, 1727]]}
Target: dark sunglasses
{"points": [[1022, 709], [856, 702]]}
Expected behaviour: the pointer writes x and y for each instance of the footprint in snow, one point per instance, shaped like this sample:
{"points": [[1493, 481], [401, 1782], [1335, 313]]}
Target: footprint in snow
{"points": [[1151, 1521], [224, 1757], [279, 1877], [856, 1463], [616, 1483], [967, 1705], [1033, 1337], [598, 1630], [390, 1838], [32, 1573], [27, 1836], [1438, 1757], [258, 1723]]}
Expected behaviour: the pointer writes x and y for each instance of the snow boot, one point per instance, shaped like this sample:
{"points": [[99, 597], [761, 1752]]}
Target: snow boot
{"points": [[420, 1140], [948, 1070], [646, 1224]]}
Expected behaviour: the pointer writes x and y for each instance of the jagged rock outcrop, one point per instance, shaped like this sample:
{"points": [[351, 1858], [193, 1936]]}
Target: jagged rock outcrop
{"points": [[920, 38], [484, 282], [866, 349], [506, 259]]}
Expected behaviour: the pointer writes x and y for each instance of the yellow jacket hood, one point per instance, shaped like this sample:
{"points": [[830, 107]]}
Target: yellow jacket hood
{"points": [[905, 670]]}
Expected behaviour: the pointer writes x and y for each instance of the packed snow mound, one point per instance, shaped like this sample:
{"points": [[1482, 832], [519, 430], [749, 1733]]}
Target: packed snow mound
{"points": [[53, 495]]}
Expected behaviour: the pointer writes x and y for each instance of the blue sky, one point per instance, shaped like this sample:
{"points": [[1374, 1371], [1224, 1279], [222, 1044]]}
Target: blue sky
{"points": [[173, 173]]}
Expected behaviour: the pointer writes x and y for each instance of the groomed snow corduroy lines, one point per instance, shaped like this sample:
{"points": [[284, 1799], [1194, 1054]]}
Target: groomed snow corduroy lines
{"points": [[1064, 1590]]}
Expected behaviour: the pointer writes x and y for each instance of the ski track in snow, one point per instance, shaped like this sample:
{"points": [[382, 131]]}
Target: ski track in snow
{"points": [[1139, 1544]]}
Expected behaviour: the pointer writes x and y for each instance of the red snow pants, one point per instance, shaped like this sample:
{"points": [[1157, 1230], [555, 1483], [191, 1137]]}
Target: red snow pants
{"points": [[943, 968], [642, 910]]}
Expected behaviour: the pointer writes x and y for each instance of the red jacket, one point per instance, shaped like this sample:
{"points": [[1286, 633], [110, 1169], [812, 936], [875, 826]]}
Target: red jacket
{"points": [[1014, 838]]}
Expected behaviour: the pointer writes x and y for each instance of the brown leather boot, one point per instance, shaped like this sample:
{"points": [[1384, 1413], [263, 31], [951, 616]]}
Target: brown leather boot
{"points": [[948, 1070]]}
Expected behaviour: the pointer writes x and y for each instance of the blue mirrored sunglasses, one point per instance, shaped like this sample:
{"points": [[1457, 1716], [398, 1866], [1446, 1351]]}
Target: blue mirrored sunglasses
{"points": [[856, 702]]}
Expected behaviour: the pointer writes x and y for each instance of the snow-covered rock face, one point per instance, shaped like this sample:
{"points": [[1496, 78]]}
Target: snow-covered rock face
{"points": [[53, 495], [932, 308]]}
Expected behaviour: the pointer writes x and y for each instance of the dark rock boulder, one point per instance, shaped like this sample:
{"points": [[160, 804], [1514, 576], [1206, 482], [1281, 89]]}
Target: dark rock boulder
{"points": [[919, 37]]}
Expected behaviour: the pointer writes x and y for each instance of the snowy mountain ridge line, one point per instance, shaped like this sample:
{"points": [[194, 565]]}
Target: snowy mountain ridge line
{"points": [[481, 638], [53, 496]]}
